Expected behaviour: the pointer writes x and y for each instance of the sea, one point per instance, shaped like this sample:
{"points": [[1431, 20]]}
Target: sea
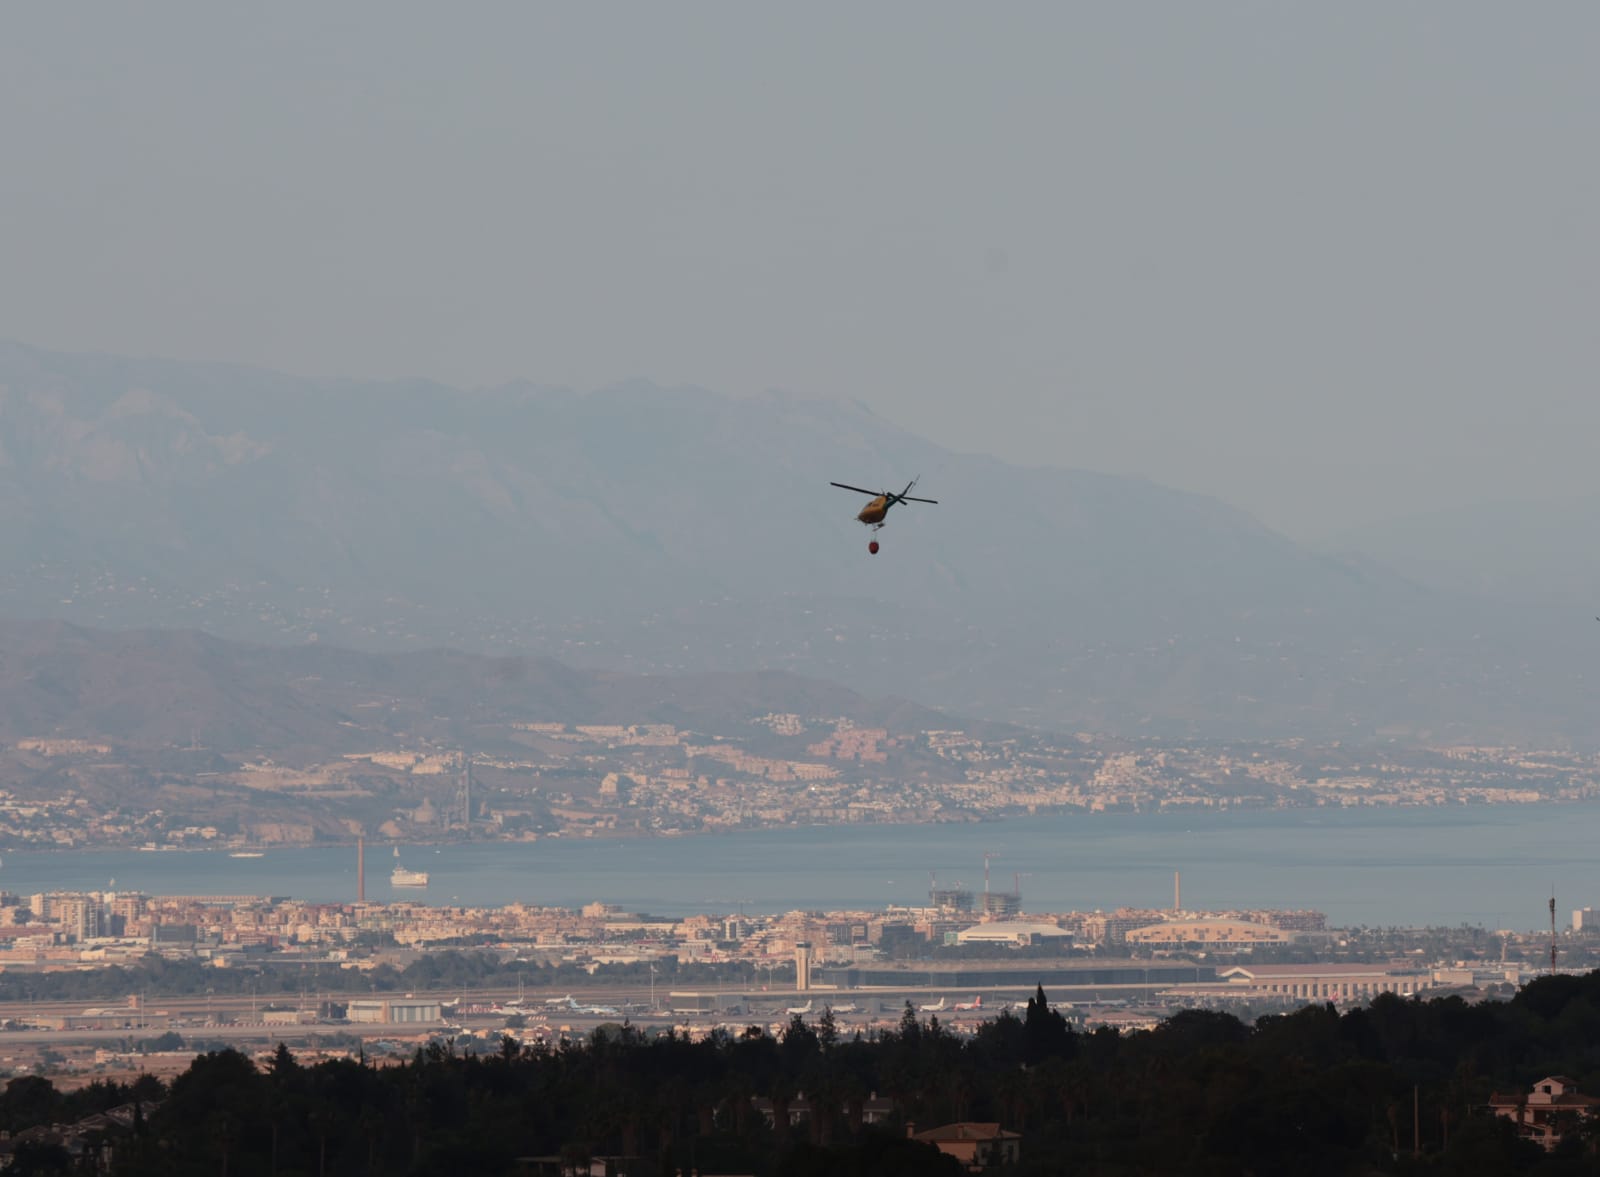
{"points": [[1490, 866]]}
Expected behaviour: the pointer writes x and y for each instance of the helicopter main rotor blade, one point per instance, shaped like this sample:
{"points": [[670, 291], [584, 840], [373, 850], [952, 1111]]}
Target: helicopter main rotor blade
{"points": [[857, 489], [914, 499]]}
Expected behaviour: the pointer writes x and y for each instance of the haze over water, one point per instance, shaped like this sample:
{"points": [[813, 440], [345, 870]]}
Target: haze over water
{"points": [[1494, 866]]}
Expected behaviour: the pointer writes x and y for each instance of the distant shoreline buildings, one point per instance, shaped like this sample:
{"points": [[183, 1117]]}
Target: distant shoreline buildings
{"points": [[653, 779]]}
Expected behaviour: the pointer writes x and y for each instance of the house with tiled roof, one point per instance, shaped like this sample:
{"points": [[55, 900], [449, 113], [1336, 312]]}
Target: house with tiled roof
{"points": [[1552, 1109], [91, 1142], [977, 1146]]}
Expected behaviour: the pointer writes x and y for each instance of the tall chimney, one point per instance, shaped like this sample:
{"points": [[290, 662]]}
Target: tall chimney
{"points": [[361, 870]]}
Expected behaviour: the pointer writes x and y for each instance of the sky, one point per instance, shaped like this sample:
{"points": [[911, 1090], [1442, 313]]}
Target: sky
{"points": [[1332, 263]]}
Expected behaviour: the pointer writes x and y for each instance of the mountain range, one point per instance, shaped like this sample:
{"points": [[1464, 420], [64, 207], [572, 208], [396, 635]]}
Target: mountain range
{"points": [[153, 689], [671, 531]]}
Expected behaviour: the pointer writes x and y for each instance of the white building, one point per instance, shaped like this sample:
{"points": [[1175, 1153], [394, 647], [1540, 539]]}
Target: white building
{"points": [[1012, 933], [1199, 932], [1322, 982]]}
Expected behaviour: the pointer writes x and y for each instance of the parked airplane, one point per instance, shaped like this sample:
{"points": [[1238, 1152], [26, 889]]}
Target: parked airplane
{"points": [[567, 1000], [975, 1003], [801, 1010], [931, 1009], [599, 1011], [848, 1007]]}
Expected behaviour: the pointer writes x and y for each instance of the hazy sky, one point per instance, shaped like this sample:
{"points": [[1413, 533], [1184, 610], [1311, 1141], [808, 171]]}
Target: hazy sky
{"points": [[1326, 262]]}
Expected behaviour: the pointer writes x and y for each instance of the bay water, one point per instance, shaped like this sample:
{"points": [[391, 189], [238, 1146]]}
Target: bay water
{"points": [[1495, 866]]}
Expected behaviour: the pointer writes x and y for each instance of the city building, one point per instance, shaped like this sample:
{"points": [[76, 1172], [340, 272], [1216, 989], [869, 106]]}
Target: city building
{"points": [[1184, 932], [950, 899], [1002, 904]]}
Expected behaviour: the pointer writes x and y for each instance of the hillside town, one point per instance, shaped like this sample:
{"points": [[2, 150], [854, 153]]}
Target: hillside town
{"points": [[527, 780]]}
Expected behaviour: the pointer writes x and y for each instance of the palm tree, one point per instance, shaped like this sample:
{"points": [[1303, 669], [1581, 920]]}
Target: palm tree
{"points": [[1011, 1090], [782, 1095], [372, 1128], [278, 1107], [323, 1122], [223, 1130]]}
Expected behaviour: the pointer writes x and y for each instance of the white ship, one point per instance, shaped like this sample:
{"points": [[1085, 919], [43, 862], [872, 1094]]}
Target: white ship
{"points": [[401, 877], [247, 854]]}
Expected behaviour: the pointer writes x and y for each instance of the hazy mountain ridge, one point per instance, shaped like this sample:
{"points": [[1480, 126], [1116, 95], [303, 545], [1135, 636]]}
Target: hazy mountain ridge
{"points": [[157, 688], [1536, 551], [341, 483], [676, 530]]}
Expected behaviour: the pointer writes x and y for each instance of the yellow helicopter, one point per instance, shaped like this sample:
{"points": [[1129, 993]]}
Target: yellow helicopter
{"points": [[873, 513]]}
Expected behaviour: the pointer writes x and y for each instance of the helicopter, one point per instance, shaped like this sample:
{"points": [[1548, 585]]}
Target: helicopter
{"points": [[873, 513]]}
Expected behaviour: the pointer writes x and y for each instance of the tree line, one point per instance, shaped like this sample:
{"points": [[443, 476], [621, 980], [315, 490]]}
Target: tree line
{"points": [[1400, 1086]]}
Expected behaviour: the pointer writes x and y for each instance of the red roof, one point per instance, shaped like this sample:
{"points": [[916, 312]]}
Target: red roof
{"points": [[966, 1131], [1569, 1100]]}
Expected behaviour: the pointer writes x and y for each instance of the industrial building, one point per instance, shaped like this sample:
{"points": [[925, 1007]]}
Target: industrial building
{"points": [[393, 1011], [1321, 982]]}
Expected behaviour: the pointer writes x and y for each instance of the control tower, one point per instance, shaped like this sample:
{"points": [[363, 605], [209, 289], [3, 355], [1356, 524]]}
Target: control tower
{"points": [[802, 966]]}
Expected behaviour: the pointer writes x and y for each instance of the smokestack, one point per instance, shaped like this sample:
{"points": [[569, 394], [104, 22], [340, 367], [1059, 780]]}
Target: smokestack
{"points": [[1552, 928], [361, 870], [1177, 891]]}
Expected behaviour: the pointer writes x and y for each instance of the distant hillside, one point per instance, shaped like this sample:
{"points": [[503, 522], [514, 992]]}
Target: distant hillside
{"points": [[1532, 552], [675, 530], [154, 689]]}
